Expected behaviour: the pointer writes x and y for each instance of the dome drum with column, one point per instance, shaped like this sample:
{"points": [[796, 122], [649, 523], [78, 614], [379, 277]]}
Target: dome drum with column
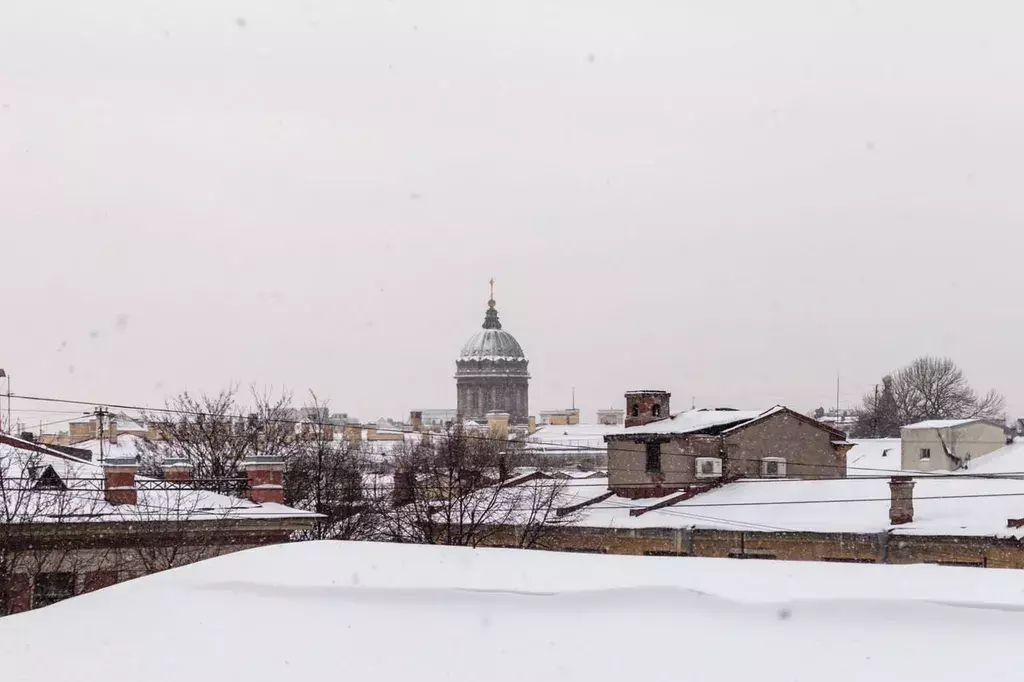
{"points": [[492, 373]]}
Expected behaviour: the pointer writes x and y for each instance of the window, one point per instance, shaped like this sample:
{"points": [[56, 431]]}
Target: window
{"points": [[653, 458], [635, 409], [656, 411], [52, 587], [926, 453]]}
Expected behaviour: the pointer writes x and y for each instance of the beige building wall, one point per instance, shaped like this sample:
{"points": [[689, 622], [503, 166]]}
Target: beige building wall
{"points": [[81, 431], [969, 440]]}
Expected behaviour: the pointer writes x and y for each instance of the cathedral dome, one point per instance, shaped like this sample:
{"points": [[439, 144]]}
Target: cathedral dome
{"points": [[492, 344], [492, 373]]}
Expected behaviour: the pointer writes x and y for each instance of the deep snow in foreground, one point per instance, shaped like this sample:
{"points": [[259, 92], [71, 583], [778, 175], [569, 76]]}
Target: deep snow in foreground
{"points": [[333, 610]]}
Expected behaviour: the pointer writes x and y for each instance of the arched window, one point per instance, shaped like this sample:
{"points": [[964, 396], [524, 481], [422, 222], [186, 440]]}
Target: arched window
{"points": [[656, 411], [636, 408]]}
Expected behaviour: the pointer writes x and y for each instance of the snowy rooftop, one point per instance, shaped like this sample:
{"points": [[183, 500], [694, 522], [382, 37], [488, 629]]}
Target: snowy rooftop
{"points": [[127, 445], [571, 436], [693, 421], [941, 423], [84, 499], [974, 502], [941, 507], [874, 456], [385, 611]]}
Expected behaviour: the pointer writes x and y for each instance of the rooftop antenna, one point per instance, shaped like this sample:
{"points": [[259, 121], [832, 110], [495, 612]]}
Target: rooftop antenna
{"points": [[574, 397]]}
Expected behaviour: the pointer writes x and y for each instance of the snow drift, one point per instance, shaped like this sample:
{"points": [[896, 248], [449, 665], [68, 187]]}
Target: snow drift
{"points": [[335, 610]]}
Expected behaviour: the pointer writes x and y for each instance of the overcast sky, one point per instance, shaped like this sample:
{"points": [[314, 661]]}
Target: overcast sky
{"points": [[734, 201]]}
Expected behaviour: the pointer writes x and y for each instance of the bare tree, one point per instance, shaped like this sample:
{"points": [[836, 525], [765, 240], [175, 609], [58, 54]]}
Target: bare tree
{"points": [[927, 388], [879, 417], [325, 475], [215, 433], [464, 489]]}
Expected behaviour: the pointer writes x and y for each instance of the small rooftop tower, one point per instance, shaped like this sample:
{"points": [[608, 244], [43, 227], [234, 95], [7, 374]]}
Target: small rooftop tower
{"points": [[644, 407]]}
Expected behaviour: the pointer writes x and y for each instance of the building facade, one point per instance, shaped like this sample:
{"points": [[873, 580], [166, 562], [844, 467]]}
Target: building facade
{"points": [[491, 373], [560, 417], [949, 444], [656, 454]]}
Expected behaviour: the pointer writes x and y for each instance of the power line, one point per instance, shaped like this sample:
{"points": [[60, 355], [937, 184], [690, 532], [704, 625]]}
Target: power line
{"points": [[883, 473], [609, 448], [672, 510]]}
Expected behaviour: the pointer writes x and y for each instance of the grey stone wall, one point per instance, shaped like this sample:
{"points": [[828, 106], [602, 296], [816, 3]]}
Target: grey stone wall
{"points": [[806, 447], [478, 395]]}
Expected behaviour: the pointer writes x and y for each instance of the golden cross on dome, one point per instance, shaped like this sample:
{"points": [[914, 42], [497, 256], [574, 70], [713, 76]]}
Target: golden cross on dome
{"points": [[492, 288]]}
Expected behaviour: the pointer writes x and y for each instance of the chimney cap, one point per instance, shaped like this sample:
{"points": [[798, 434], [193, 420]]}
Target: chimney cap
{"points": [[262, 460], [123, 461]]}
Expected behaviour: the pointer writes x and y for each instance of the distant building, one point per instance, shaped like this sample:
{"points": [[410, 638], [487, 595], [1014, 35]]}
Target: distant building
{"points": [[91, 429], [491, 374], [949, 444], [560, 417], [656, 453], [435, 418], [843, 420], [611, 417]]}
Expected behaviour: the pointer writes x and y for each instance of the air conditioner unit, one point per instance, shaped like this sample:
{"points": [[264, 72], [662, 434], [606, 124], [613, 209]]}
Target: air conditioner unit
{"points": [[773, 467], [708, 467]]}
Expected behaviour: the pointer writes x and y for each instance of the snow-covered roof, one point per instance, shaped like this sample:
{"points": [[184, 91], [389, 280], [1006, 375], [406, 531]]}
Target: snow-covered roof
{"points": [[517, 615], [569, 437], [874, 456], [691, 421], [126, 424], [968, 503], [941, 423], [127, 445], [84, 499], [710, 421]]}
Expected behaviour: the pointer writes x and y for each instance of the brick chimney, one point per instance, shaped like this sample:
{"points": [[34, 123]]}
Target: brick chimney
{"points": [[901, 505], [177, 470], [119, 480], [416, 419], [643, 407], [266, 479], [404, 490]]}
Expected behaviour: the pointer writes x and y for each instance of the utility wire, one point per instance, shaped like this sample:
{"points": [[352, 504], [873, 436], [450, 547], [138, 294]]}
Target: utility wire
{"points": [[526, 443]]}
